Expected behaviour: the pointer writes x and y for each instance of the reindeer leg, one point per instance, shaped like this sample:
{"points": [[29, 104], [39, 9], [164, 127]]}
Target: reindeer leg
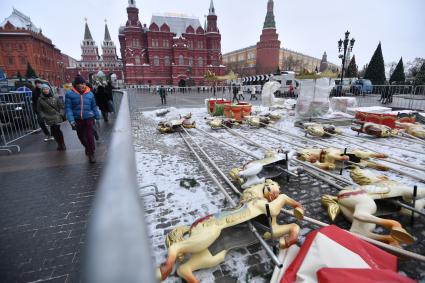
{"points": [[200, 260], [397, 232], [325, 165], [374, 165], [194, 244]]}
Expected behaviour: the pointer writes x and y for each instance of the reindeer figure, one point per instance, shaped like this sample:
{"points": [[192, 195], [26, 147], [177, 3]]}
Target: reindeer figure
{"points": [[321, 130], [206, 231], [376, 130], [176, 124], [329, 158], [415, 130], [358, 205]]}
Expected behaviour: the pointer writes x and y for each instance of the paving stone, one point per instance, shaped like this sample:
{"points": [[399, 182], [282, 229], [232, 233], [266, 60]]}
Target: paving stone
{"points": [[45, 202]]}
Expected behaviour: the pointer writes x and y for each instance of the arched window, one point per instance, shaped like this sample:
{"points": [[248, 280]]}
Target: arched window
{"points": [[167, 61], [156, 60], [200, 62], [190, 61], [181, 60]]}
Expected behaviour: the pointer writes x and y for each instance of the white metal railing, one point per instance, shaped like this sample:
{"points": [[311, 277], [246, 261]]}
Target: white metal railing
{"points": [[118, 248], [17, 118]]}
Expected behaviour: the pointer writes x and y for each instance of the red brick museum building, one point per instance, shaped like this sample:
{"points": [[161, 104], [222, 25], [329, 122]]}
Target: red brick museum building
{"points": [[22, 43], [173, 50]]}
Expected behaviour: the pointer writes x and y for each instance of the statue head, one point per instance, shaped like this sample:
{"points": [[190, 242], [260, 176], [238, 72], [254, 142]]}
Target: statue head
{"points": [[271, 190], [307, 155], [315, 130]]}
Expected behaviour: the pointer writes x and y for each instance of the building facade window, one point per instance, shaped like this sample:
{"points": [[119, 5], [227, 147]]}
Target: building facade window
{"points": [[156, 60], [23, 61], [167, 61], [190, 61], [136, 42], [137, 60], [10, 61], [200, 62], [181, 60]]}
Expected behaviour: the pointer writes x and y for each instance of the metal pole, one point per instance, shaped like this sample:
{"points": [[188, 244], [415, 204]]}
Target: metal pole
{"points": [[274, 258]]}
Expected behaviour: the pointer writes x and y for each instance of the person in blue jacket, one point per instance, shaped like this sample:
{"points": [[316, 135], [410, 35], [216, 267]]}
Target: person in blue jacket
{"points": [[81, 112]]}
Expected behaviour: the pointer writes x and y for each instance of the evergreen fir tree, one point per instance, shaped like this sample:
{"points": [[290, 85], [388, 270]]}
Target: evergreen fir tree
{"points": [[376, 69], [19, 76], [398, 75], [30, 72], [420, 76], [352, 68]]}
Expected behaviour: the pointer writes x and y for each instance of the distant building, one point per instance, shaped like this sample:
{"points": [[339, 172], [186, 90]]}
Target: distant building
{"points": [[91, 62], [174, 50], [324, 62], [21, 42], [267, 56]]}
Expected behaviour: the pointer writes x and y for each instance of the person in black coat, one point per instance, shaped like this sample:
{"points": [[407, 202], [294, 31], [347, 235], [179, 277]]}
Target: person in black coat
{"points": [[102, 101]]}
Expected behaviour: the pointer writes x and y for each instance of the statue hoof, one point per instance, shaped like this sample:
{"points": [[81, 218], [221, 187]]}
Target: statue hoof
{"points": [[402, 235], [299, 213]]}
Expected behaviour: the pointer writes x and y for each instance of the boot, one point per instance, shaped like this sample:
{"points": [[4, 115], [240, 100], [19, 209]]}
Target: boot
{"points": [[92, 159], [61, 143]]}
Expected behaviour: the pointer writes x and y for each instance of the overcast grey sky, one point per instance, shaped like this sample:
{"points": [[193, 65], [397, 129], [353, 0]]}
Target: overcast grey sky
{"points": [[308, 26]]}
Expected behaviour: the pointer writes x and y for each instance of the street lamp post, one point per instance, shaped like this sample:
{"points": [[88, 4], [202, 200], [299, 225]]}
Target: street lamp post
{"points": [[344, 45]]}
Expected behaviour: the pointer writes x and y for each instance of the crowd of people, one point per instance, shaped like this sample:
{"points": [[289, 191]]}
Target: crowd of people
{"points": [[80, 107]]}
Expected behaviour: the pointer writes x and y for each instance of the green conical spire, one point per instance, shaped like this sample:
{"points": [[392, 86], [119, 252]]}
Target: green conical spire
{"points": [[87, 34], [269, 22]]}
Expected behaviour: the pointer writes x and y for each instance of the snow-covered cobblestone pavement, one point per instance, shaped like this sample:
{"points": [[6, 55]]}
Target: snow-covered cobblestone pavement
{"points": [[164, 159]]}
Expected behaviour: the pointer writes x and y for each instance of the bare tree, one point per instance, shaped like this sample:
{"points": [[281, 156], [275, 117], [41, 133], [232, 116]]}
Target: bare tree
{"points": [[413, 67]]}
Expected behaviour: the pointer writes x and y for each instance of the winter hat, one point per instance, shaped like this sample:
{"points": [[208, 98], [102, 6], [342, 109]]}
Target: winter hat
{"points": [[45, 86], [79, 80]]}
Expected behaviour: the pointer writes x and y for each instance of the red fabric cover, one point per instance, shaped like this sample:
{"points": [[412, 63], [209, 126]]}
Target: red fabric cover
{"points": [[373, 256], [357, 275], [381, 119]]}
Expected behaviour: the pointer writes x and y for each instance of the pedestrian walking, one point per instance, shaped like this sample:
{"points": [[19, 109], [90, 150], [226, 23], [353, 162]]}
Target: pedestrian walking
{"points": [[52, 111], [235, 94], [81, 112], [253, 93], [102, 102], [93, 90], [240, 93], [385, 94], [35, 96], [163, 94], [109, 94]]}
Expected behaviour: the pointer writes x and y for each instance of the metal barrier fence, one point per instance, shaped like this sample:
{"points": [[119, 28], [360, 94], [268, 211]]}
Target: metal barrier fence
{"points": [[148, 97], [394, 96], [17, 119], [118, 249]]}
